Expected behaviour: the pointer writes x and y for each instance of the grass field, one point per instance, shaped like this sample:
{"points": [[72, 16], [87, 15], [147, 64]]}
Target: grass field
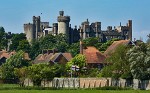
{"points": [[74, 91], [13, 88]]}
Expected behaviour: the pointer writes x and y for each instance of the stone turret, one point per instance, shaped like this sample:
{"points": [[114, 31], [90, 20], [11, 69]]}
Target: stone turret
{"points": [[55, 28], [63, 23], [97, 28], [130, 29], [86, 29], [37, 23]]}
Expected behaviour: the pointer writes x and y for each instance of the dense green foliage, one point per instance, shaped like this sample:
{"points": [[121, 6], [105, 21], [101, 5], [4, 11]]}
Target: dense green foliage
{"points": [[74, 49], [24, 46], [58, 42], [3, 40], [119, 65], [15, 61], [133, 62], [16, 38], [79, 60], [39, 72], [105, 45], [50, 42], [35, 49], [126, 62], [21, 74], [92, 41], [139, 59]]}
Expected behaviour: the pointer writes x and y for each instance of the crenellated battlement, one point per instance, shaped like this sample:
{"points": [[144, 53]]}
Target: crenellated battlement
{"points": [[63, 19], [86, 29]]}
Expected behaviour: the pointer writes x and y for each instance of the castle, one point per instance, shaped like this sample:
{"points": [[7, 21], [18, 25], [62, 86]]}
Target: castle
{"points": [[38, 29]]}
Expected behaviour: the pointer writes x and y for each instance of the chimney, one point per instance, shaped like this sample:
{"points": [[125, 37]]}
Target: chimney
{"points": [[44, 52], [55, 51], [81, 47], [49, 51]]}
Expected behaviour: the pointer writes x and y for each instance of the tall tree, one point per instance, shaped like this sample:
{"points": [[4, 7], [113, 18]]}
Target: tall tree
{"points": [[58, 42], [24, 45], [139, 59], [35, 49], [74, 49], [3, 40], [47, 42], [16, 38]]}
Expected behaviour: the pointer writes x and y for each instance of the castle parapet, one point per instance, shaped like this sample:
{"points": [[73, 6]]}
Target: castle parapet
{"points": [[63, 19]]}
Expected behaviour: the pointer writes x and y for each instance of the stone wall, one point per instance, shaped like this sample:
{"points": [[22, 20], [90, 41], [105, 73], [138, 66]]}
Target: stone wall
{"points": [[92, 83]]}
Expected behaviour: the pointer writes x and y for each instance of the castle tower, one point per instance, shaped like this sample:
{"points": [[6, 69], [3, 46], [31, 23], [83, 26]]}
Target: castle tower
{"points": [[37, 24], [28, 29], [97, 28], [85, 28], [130, 29], [55, 28], [63, 23]]}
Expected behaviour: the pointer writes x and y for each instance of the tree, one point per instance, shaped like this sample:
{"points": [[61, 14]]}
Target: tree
{"points": [[91, 41], [62, 46], [61, 43], [35, 49], [139, 59], [15, 61], [21, 73], [120, 64], [24, 45], [79, 60], [35, 73], [16, 38], [3, 40], [105, 45], [74, 49], [39, 72], [47, 42], [58, 42]]}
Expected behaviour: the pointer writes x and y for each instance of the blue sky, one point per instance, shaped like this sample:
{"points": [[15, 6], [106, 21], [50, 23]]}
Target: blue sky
{"points": [[14, 13]]}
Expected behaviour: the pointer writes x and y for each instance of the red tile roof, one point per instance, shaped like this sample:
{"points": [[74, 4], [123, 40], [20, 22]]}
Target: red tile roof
{"points": [[93, 55], [68, 56], [5, 54], [45, 58]]}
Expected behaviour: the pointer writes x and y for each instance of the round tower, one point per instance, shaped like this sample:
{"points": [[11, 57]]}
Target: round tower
{"points": [[63, 23]]}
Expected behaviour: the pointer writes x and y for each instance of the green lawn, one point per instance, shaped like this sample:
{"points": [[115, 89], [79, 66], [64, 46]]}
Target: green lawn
{"points": [[14, 88], [74, 91]]}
